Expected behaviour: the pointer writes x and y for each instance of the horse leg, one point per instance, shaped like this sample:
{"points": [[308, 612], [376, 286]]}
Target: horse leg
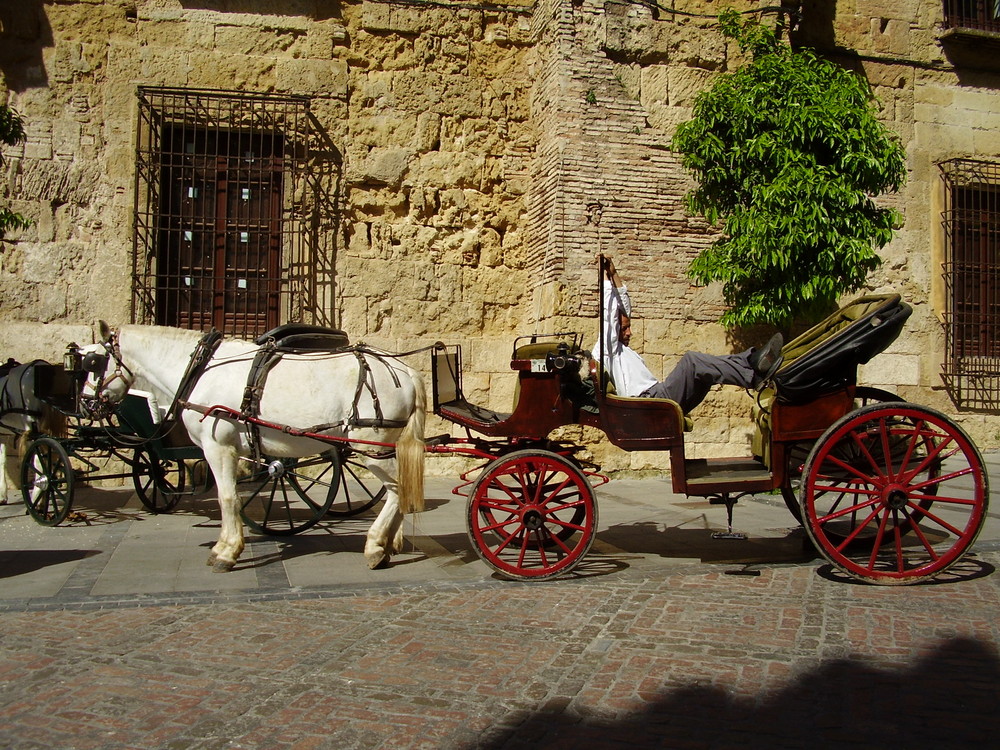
{"points": [[227, 549], [386, 534]]}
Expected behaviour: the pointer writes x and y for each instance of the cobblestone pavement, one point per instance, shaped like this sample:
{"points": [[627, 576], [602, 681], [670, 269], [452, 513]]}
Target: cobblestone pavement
{"points": [[657, 641]]}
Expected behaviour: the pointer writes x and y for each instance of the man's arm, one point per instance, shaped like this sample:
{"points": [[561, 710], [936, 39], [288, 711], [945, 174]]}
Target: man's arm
{"points": [[616, 295]]}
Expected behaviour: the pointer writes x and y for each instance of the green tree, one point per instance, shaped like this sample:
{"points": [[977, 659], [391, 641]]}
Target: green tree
{"points": [[11, 134], [788, 155]]}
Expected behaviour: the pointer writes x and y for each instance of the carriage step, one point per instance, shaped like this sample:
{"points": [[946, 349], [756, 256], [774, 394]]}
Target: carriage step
{"points": [[708, 476]]}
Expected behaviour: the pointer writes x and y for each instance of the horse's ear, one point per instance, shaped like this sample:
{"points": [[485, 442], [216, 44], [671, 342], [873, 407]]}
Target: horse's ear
{"points": [[104, 330]]}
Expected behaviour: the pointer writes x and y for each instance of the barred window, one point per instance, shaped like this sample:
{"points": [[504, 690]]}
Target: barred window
{"points": [[224, 198], [972, 14], [972, 275]]}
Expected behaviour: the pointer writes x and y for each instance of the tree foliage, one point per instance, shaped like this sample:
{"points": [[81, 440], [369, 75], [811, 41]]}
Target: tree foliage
{"points": [[788, 155], [11, 134]]}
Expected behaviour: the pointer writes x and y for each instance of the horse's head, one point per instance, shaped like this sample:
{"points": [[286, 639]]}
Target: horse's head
{"points": [[108, 377]]}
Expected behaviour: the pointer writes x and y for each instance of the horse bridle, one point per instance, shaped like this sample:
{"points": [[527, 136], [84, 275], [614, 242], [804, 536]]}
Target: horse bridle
{"points": [[100, 406]]}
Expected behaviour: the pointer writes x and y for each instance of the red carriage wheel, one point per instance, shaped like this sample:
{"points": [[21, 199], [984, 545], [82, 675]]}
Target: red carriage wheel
{"points": [[532, 515], [797, 454], [894, 493]]}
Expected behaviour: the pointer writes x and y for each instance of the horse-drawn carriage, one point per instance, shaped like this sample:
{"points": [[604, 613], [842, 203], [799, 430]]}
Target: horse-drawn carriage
{"points": [[67, 438], [889, 492]]}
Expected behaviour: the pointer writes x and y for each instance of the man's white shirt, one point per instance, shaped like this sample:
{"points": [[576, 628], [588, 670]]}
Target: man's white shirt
{"points": [[628, 371]]}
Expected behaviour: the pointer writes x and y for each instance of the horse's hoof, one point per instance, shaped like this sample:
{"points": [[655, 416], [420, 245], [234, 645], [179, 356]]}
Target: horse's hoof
{"points": [[223, 566], [212, 557], [377, 560]]}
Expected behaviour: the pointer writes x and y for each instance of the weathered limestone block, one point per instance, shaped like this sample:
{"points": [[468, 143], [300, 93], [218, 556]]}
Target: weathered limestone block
{"points": [[318, 77], [457, 248], [447, 169], [684, 84], [414, 240], [387, 128], [428, 136], [628, 29], [891, 369], [26, 341], [412, 318], [382, 166], [418, 91], [490, 248], [499, 286]]}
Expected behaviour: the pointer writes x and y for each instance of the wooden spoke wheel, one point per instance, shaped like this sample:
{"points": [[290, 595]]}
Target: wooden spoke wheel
{"points": [[47, 478], [798, 453], [358, 489], [287, 495], [894, 493], [158, 482], [531, 515]]}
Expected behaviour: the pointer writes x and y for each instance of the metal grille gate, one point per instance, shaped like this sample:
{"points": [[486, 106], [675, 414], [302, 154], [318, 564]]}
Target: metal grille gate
{"points": [[222, 211], [972, 14], [971, 222]]}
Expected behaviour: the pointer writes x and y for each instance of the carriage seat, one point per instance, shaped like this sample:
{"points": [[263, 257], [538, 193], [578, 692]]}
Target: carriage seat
{"points": [[609, 390], [637, 423], [304, 337]]}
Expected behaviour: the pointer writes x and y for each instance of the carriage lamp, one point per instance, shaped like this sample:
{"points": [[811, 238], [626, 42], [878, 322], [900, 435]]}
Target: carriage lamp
{"points": [[71, 359]]}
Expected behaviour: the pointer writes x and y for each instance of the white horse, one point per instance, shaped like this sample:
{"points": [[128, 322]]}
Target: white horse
{"points": [[302, 391], [22, 415]]}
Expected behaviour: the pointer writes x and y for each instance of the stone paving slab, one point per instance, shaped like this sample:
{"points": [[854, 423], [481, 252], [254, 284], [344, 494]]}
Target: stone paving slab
{"points": [[688, 657], [114, 634], [115, 548]]}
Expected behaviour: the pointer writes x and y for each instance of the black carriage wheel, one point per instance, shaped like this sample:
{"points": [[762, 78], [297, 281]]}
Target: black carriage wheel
{"points": [[358, 490], [797, 453], [159, 482], [287, 495], [894, 493], [531, 515], [47, 481]]}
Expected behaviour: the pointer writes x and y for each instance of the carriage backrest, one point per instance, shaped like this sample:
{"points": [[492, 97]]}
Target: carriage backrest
{"points": [[446, 375], [826, 357]]}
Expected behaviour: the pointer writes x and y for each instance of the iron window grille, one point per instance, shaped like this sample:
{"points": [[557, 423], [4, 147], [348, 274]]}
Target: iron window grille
{"points": [[971, 222], [972, 14], [229, 204]]}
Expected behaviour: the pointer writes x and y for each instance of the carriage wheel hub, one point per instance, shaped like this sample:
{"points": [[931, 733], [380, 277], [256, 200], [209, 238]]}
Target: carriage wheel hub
{"points": [[533, 519], [896, 498]]}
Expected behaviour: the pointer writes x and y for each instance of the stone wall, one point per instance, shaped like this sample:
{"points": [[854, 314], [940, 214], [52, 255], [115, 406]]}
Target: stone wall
{"points": [[488, 156]]}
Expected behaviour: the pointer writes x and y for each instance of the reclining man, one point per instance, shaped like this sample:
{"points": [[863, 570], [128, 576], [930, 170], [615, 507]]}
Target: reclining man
{"points": [[695, 374]]}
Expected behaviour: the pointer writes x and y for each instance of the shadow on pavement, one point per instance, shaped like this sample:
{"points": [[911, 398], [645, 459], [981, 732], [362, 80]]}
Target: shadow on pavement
{"points": [[27, 561], [946, 700], [652, 538]]}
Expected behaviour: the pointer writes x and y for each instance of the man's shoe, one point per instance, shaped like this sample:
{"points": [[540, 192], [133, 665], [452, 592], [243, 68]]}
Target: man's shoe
{"points": [[766, 360]]}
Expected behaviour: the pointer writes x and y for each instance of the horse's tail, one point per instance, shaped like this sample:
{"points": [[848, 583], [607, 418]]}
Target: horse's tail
{"points": [[410, 452]]}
